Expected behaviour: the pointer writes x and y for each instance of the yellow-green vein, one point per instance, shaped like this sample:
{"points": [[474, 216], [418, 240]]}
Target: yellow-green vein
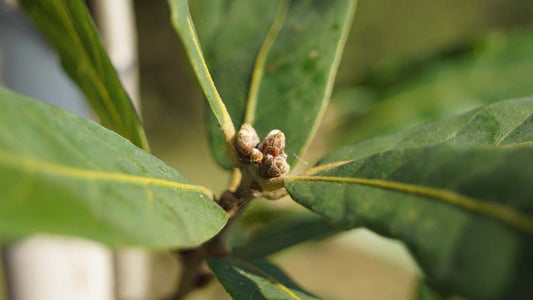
{"points": [[259, 67], [502, 213], [515, 145], [266, 276], [181, 19], [332, 73], [32, 165], [325, 167], [513, 129]]}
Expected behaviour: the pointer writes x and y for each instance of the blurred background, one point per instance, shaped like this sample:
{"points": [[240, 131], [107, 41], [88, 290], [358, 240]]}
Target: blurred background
{"points": [[406, 62]]}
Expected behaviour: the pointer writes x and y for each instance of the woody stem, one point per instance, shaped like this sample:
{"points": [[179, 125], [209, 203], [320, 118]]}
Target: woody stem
{"points": [[192, 260]]}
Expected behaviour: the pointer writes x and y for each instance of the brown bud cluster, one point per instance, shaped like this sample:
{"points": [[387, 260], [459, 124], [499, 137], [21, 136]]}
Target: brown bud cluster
{"points": [[269, 155]]}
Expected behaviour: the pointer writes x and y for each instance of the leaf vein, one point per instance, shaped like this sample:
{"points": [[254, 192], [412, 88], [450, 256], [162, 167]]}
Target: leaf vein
{"points": [[502, 213], [512, 130], [39, 166]]}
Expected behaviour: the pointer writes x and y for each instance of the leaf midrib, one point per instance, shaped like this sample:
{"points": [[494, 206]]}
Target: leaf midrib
{"points": [[32, 165], [502, 139], [334, 67], [507, 215]]}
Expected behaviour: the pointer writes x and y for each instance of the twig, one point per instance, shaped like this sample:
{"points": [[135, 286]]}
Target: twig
{"points": [[191, 262], [192, 274]]}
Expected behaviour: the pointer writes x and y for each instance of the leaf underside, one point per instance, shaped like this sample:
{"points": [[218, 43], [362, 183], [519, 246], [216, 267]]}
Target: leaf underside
{"points": [[69, 27], [255, 280], [457, 192], [63, 174], [298, 73]]}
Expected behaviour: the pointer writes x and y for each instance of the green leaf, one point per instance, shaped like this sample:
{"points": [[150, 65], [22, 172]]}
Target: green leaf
{"points": [[63, 174], [68, 26], [257, 280], [274, 63], [457, 192], [286, 231], [182, 21]]}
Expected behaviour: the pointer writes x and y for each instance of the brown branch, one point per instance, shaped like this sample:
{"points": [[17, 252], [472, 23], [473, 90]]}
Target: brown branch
{"points": [[193, 275], [191, 262]]}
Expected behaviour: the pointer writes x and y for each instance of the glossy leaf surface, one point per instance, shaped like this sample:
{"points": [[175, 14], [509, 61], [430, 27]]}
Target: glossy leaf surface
{"points": [[457, 192], [63, 174], [69, 27], [291, 50], [257, 280]]}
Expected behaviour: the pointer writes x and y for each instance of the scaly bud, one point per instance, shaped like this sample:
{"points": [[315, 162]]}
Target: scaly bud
{"points": [[256, 156], [274, 166], [247, 139], [274, 143]]}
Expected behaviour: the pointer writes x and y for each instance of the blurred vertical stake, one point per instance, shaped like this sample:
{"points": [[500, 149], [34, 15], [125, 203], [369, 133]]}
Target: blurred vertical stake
{"points": [[116, 21], [49, 267]]}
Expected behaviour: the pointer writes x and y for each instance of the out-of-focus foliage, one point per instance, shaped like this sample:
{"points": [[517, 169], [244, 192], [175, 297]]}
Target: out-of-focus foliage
{"points": [[69, 27], [424, 292], [411, 29], [261, 279], [400, 95]]}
